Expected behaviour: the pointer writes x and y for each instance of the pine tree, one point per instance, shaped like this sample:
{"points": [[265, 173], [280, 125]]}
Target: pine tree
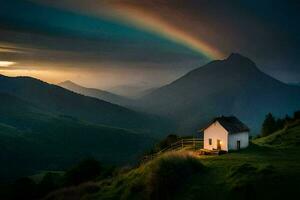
{"points": [[297, 115], [269, 125]]}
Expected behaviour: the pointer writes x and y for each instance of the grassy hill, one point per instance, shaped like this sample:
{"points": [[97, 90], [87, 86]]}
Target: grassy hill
{"points": [[59, 101], [37, 140], [268, 169], [59, 142], [288, 137]]}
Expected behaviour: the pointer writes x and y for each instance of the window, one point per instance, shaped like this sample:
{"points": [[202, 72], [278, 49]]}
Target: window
{"points": [[210, 141]]}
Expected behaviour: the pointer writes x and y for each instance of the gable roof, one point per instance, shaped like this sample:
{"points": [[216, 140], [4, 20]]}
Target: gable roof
{"points": [[231, 124]]}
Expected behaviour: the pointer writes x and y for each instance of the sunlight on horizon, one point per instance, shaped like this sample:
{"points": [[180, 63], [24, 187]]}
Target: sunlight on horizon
{"points": [[6, 63]]}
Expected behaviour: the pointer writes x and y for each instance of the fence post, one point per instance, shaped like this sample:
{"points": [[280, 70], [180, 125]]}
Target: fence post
{"points": [[194, 143], [182, 143]]}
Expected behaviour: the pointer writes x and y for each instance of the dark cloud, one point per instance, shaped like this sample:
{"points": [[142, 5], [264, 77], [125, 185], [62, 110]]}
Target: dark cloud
{"points": [[74, 35]]}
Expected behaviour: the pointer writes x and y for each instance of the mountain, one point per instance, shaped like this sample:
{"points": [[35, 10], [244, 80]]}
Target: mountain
{"points": [[37, 140], [146, 92], [234, 86], [131, 91], [57, 100], [295, 84], [92, 92]]}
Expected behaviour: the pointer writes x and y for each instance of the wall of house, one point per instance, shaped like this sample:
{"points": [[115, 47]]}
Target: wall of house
{"points": [[216, 132], [233, 138]]}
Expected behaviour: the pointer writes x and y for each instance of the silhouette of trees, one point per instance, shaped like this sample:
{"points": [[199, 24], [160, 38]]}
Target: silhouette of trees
{"points": [[86, 170], [271, 124], [297, 114], [170, 139]]}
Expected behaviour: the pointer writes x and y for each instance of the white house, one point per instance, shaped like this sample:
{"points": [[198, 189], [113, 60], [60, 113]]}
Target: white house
{"points": [[226, 133]]}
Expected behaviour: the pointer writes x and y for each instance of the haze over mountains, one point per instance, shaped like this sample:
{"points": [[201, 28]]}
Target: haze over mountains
{"points": [[234, 86], [97, 93], [133, 92]]}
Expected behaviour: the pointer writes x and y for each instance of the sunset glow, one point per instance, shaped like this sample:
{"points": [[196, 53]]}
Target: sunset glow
{"points": [[6, 63]]}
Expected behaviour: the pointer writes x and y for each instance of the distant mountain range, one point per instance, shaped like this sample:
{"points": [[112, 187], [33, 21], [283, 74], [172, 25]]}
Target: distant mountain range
{"points": [[97, 93], [47, 127], [57, 100], [234, 86]]}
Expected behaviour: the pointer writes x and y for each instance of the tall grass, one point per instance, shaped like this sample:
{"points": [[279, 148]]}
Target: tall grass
{"points": [[170, 172]]}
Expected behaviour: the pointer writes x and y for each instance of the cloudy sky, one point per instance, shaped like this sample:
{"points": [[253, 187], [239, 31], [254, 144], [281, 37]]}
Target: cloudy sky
{"points": [[106, 43]]}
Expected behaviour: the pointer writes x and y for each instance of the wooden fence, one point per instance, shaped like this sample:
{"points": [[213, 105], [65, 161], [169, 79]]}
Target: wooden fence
{"points": [[191, 143]]}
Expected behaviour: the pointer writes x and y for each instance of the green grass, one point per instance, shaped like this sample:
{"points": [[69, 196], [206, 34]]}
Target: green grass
{"points": [[45, 142], [288, 137], [268, 169]]}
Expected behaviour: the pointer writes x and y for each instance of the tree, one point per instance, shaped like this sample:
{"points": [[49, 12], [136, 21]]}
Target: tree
{"points": [[50, 182], [287, 119], [86, 170], [297, 114], [280, 123], [170, 139], [269, 125]]}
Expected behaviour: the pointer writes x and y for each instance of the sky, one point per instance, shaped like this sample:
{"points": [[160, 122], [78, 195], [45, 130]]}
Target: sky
{"points": [[145, 43]]}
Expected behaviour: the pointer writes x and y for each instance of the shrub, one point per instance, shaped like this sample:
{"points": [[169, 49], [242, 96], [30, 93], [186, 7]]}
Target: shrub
{"points": [[170, 172], [24, 187], [86, 170], [170, 139], [50, 182], [74, 192], [297, 115]]}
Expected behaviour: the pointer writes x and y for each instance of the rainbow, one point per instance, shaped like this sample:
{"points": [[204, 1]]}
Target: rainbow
{"points": [[143, 20], [150, 23]]}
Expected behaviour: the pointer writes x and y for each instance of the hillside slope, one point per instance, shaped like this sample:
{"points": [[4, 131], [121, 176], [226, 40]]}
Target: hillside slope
{"points": [[288, 137], [99, 94], [234, 86], [58, 100], [37, 140], [259, 172]]}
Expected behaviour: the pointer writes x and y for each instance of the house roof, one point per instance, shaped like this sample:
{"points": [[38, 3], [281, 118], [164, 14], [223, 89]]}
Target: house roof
{"points": [[231, 124]]}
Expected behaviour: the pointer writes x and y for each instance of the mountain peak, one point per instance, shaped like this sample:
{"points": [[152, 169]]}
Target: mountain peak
{"points": [[240, 62], [236, 57], [66, 82]]}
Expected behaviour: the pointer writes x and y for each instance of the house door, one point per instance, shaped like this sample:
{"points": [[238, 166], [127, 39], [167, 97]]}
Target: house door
{"points": [[238, 145], [218, 144]]}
